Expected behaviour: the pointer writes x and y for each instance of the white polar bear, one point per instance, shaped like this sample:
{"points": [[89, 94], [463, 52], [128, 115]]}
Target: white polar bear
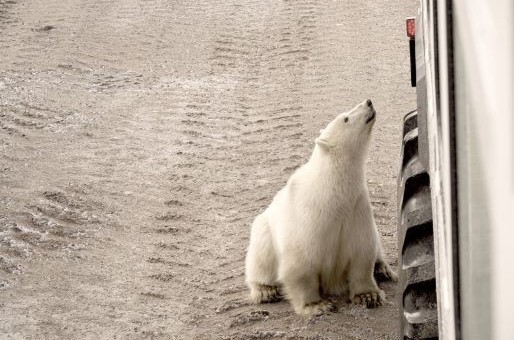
{"points": [[318, 236]]}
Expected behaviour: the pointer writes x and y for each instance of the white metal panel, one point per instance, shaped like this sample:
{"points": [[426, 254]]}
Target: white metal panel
{"points": [[484, 32]]}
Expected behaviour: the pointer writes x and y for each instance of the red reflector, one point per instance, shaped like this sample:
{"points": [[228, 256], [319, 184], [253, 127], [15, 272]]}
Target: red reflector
{"points": [[411, 27]]}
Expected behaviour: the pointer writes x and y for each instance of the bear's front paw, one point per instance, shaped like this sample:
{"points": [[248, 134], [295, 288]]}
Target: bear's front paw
{"points": [[370, 299], [317, 308]]}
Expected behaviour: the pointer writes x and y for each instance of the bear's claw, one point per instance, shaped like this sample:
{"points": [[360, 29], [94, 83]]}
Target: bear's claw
{"points": [[370, 300], [318, 308]]}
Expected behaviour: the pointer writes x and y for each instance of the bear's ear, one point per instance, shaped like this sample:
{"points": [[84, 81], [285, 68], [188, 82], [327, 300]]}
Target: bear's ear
{"points": [[321, 132], [322, 143]]}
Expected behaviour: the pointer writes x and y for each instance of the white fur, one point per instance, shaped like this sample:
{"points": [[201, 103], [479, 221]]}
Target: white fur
{"points": [[318, 235]]}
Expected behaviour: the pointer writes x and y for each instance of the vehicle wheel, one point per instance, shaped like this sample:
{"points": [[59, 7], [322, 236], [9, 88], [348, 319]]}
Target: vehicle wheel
{"points": [[418, 307]]}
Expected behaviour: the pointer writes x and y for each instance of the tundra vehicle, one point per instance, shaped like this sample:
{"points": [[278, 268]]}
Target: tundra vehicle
{"points": [[456, 181]]}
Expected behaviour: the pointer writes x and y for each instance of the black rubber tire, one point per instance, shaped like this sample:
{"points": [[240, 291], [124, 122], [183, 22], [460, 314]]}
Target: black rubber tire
{"points": [[416, 265]]}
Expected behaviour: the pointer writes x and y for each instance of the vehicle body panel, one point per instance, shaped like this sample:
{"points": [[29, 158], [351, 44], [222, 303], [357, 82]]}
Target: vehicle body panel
{"points": [[467, 50]]}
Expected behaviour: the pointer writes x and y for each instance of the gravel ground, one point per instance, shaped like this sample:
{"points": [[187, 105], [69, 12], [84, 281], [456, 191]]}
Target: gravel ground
{"points": [[139, 138]]}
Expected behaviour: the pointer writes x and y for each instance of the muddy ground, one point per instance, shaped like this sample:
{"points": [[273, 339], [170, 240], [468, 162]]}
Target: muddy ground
{"points": [[139, 138]]}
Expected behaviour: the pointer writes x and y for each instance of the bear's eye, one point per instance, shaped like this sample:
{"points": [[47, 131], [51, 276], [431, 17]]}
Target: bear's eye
{"points": [[346, 119]]}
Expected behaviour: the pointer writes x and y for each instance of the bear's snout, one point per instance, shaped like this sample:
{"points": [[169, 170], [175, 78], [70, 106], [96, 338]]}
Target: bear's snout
{"points": [[371, 116], [369, 103]]}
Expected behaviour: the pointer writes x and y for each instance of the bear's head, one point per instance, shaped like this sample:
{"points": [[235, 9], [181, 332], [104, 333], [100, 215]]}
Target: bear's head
{"points": [[349, 132]]}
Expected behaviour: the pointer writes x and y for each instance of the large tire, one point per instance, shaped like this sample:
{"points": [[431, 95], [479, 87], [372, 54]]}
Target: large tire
{"points": [[418, 306]]}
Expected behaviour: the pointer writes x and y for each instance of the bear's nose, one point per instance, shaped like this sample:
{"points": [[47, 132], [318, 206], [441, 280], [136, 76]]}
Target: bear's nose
{"points": [[368, 101]]}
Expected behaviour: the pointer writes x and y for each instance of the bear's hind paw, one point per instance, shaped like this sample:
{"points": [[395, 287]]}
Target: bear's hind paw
{"points": [[383, 272], [266, 294]]}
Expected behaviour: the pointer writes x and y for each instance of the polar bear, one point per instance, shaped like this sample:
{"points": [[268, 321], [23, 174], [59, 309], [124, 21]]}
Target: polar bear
{"points": [[318, 236]]}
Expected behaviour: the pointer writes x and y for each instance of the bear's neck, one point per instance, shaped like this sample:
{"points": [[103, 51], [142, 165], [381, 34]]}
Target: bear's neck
{"points": [[345, 168]]}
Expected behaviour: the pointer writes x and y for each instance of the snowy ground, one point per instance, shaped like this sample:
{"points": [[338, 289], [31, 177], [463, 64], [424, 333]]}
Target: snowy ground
{"points": [[139, 138]]}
